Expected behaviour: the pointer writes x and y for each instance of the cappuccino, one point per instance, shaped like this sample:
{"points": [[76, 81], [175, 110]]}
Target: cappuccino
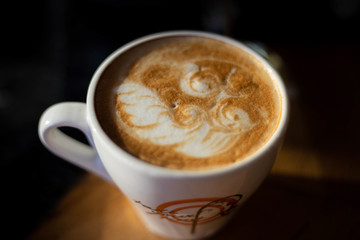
{"points": [[189, 103]]}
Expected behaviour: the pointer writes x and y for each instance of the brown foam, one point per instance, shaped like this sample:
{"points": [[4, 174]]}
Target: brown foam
{"points": [[249, 88]]}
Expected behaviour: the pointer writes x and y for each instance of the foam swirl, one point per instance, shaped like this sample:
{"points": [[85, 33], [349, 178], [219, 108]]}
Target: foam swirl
{"points": [[176, 105], [187, 127], [193, 130], [198, 81], [230, 116]]}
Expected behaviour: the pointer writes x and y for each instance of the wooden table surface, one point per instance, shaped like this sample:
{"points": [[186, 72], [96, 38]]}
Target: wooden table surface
{"points": [[301, 199]]}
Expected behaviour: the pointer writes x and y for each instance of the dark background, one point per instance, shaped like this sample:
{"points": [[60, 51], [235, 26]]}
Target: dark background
{"points": [[50, 49]]}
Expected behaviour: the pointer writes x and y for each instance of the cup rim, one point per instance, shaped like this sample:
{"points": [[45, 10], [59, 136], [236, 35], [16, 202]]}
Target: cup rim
{"points": [[162, 171]]}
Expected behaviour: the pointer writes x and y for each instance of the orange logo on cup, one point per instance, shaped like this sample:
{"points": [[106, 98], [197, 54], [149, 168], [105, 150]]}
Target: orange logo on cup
{"points": [[196, 211]]}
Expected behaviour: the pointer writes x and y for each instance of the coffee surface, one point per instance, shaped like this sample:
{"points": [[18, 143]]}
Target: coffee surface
{"points": [[189, 103]]}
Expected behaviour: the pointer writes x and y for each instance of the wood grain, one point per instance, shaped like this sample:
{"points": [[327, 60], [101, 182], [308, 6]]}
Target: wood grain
{"points": [[306, 196]]}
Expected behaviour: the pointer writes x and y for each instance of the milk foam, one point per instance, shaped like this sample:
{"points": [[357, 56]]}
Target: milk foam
{"points": [[195, 85], [184, 106], [200, 133]]}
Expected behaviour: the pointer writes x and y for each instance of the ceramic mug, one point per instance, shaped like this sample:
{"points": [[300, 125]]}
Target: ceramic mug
{"points": [[172, 203]]}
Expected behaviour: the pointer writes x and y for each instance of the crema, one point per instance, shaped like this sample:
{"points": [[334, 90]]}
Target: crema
{"points": [[188, 103]]}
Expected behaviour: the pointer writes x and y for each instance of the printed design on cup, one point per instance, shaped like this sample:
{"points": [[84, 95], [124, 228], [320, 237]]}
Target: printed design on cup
{"points": [[195, 211]]}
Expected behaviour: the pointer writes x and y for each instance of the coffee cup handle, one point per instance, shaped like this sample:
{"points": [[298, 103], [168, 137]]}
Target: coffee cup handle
{"points": [[70, 114]]}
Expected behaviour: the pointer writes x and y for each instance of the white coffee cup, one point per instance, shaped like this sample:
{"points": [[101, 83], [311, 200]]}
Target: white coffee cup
{"points": [[180, 204]]}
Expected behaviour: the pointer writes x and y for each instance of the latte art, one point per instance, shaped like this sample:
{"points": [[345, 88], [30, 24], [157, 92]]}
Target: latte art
{"points": [[192, 130], [191, 104], [198, 81]]}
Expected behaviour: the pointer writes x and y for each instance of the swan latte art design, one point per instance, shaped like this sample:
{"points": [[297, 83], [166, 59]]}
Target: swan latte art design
{"points": [[193, 103]]}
